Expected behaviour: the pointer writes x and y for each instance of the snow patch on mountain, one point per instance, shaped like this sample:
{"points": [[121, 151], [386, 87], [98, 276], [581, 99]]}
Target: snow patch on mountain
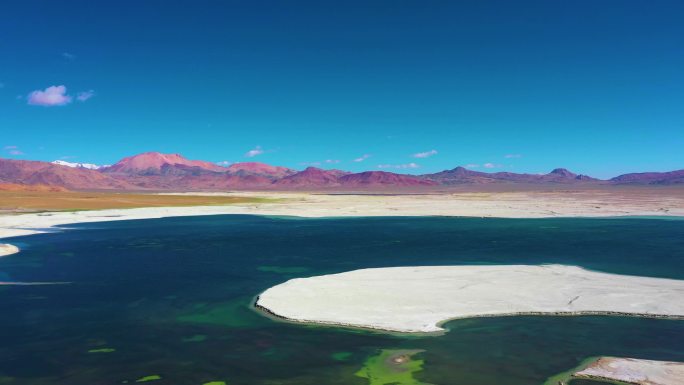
{"points": [[89, 166]]}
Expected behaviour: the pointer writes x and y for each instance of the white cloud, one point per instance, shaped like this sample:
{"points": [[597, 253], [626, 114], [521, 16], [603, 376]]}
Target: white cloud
{"points": [[362, 158], [51, 96], [85, 95], [254, 152], [68, 56], [491, 165], [471, 165], [425, 154], [332, 161], [2, 85], [56, 96], [399, 166], [13, 150], [224, 163], [512, 156]]}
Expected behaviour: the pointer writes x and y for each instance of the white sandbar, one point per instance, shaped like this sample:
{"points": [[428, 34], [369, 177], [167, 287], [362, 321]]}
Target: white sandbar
{"points": [[7, 249], [419, 299], [635, 371]]}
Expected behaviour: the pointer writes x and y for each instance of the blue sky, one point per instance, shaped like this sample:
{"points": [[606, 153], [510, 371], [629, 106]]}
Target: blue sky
{"points": [[525, 86]]}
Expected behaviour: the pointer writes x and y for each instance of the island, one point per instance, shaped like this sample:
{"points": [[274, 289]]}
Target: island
{"points": [[634, 371], [623, 370], [419, 299]]}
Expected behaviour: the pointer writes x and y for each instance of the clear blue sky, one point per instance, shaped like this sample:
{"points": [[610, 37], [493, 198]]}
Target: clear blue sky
{"points": [[594, 86]]}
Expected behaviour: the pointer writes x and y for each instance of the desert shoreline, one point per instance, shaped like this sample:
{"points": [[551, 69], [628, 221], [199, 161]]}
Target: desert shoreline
{"points": [[315, 205]]}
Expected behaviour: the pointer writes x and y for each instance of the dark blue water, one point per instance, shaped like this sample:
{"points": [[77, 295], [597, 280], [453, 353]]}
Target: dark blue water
{"points": [[172, 298]]}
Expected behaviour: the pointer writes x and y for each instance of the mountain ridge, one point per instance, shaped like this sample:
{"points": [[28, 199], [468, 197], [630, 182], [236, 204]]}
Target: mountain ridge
{"points": [[168, 172]]}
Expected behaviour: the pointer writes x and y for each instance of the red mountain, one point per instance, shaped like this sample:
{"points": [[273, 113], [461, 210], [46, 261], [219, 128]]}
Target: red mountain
{"points": [[27, 172], [262, 169], [223, 182], [383, 179], [312, 177], [155, 163], [157, 171]]}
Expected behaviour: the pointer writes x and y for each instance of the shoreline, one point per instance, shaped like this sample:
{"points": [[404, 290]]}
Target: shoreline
{"points": [[311, 205], [423, 299], [270, 314], [7, 249]]}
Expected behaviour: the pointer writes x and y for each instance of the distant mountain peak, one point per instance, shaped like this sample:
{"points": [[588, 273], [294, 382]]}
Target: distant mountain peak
{"points": [[564, 172], [173, 172], [312, 177], [675, 177], [154, 162], [383, 179], [257, 168]]}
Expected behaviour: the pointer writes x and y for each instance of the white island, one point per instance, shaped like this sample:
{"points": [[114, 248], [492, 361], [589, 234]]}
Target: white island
{"points": [[419, 299], [7, 249]]}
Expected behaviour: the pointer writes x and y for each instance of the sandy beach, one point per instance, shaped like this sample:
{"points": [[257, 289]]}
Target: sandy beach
{"points": [[420, 299], [639, 202]]}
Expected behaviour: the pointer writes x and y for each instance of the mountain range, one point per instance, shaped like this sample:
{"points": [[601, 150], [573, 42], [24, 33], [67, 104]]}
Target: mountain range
{"points": [[172, 172]]}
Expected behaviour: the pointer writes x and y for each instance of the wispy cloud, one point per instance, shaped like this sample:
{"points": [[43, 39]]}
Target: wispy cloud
{"points": [[2, 85], [491, 165], [13, 150], [85, 95], [362, 158], [471, 165], [402, 166], [68, 56], [224, 163], [318, 163], [254, 152], [51, 96], [425, 154], [512, 156]]}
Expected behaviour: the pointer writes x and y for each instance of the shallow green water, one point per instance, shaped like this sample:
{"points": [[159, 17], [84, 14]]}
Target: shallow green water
{"points": [[171, 299]]}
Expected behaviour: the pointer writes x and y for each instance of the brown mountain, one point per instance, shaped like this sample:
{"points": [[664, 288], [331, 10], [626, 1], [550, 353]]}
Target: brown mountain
{"points": [[651, 178], [461, 175], [30, 187]]}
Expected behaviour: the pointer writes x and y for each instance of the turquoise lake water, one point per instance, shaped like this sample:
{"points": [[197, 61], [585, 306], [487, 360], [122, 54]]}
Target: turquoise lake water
{"points": [[170, 300]]}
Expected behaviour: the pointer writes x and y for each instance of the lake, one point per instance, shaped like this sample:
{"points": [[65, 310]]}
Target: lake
{"points": [[169, 301]]}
